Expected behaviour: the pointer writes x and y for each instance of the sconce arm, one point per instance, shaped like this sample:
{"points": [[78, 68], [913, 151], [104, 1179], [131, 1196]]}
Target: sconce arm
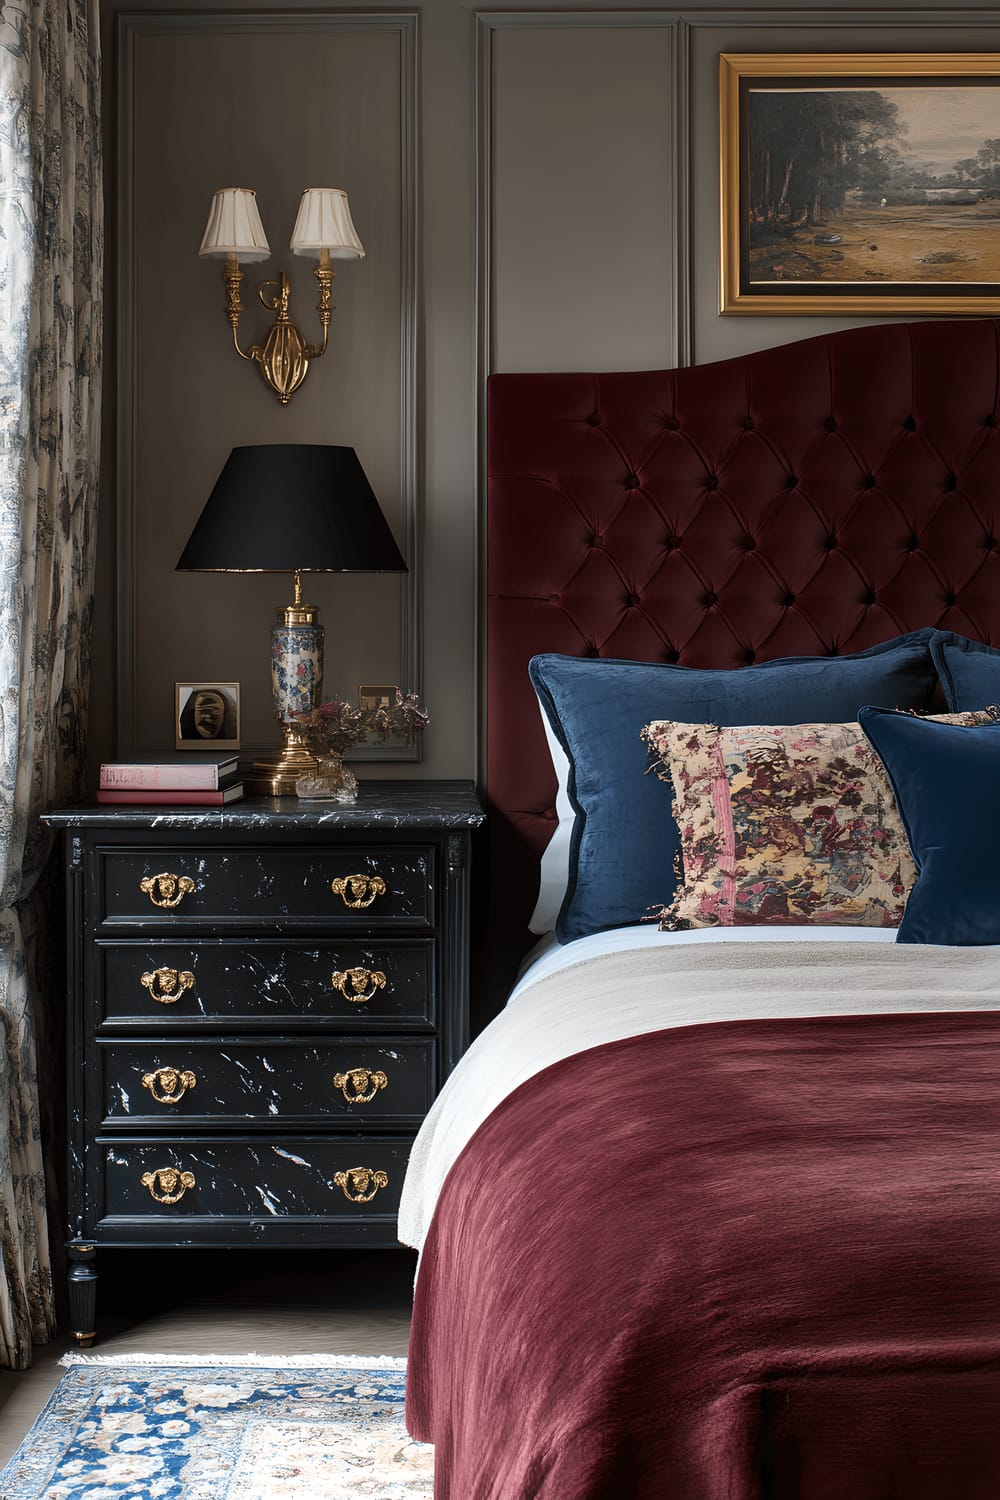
{"points": [[233, 277], [324, 274], [284, 356]]}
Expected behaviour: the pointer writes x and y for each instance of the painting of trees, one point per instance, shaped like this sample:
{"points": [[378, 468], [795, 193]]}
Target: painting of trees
{"points": [[984, 168], [809, 147], [860, 182]]}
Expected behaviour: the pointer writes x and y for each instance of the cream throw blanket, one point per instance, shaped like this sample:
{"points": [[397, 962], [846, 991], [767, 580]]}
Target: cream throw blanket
{"points": [[627, 993]]}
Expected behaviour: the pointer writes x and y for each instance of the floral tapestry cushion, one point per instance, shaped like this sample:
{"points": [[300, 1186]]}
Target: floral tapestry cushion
{"points": [[784, 825]]}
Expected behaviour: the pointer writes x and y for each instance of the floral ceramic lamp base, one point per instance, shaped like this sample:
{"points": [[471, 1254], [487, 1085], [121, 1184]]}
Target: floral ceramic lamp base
{"points": [[296, 679]]}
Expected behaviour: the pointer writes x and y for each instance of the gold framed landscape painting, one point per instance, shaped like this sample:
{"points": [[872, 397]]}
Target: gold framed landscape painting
{"points": [[860, 182]]}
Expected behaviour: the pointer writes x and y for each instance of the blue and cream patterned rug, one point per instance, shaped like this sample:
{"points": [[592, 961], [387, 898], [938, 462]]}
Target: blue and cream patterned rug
{"points": [[205, 1427]]}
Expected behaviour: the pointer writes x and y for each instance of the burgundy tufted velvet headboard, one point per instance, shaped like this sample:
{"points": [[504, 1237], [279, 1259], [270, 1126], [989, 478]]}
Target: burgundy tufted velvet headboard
{"points": [[813, 498]]}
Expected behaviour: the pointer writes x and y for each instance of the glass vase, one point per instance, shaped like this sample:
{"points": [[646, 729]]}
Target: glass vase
{"points": [[330, 782]]}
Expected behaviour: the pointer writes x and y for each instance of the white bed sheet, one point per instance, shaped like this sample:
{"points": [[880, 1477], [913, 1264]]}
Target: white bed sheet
{"points": [[528, 1037], [549, 955]]}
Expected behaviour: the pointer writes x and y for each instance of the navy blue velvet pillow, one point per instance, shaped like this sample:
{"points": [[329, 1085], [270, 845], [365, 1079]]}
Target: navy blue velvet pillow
{"points": [[946, 780], [969, 671], [624, 840]]}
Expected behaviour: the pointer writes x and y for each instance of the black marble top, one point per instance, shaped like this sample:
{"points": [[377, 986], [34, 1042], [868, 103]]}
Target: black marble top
{"points": [[380, 804]]}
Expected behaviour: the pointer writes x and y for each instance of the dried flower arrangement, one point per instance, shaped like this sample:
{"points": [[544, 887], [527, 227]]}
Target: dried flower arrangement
{"points": [[333, 727]]}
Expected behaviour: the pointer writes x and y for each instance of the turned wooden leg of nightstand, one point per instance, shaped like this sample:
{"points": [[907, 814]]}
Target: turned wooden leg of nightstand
{"points": [[82, 1281]]}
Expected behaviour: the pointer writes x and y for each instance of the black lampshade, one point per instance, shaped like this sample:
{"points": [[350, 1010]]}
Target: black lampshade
{"points": [[278, 507]]}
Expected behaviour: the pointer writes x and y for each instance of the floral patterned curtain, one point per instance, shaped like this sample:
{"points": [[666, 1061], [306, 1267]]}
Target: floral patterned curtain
{"points": [[51, 266]]}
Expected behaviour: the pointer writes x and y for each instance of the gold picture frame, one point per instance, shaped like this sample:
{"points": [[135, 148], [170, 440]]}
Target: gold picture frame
{"points": [[828, 166], [382, 695], [207, 716], [377, 695]]}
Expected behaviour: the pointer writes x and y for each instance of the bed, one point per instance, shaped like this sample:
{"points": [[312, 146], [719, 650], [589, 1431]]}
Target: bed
{"points": [[710, 1209]]}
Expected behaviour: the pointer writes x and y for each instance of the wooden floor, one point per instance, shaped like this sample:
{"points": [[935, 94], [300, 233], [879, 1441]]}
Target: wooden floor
{"points": [[228, 1302]]}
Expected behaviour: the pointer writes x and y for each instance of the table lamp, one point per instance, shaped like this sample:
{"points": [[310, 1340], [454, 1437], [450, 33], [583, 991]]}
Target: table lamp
{"points": [[292, 508]]}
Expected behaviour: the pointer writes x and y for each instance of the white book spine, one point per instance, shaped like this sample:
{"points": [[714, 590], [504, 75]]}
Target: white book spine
{"points": [[205, 778]]}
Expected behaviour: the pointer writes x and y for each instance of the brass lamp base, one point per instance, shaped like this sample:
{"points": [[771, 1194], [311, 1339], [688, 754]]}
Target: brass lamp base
{"points": [[276, 775]]}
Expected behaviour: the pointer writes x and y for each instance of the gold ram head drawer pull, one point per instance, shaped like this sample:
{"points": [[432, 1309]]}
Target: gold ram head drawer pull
{"points": [[166, 889], [358, 1085], [357, 1181], [358, 985], [167, 985], [358, 891], [172, 1084], [166, 1184]]}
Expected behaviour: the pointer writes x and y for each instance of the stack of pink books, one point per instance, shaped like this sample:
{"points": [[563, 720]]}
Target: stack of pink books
{"points": [[191, 780]]}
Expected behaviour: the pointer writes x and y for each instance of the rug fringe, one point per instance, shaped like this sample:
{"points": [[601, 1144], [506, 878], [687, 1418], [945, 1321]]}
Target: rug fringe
{"points": [[275, 1361]]}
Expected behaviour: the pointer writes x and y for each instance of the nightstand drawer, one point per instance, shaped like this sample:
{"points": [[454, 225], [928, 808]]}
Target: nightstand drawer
{"points": [[223, 1081], [252, 1179], [268, 887], [293, 985]]}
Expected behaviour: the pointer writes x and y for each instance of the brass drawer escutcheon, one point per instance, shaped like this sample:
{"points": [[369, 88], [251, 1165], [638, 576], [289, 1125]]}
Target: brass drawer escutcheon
{"points": [[357, 1180], [358, 891], [358, 985], [167, 985], [172, 1082], [358, 1085], [166, 1184], [166, 889]]}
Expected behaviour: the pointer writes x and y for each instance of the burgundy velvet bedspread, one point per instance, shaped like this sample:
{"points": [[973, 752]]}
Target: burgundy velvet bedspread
{"points": [[724, 1262]]}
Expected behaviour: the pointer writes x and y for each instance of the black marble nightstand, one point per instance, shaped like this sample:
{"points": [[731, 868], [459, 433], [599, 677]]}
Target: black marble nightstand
{"points": [[263, 1000]]}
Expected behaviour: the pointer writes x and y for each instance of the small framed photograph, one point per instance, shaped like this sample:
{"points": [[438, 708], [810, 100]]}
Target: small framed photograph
{"points": [[207, 715], [376, 695]]}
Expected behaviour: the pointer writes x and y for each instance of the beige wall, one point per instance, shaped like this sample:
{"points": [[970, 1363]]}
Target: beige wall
{"points": [[566, 215]]}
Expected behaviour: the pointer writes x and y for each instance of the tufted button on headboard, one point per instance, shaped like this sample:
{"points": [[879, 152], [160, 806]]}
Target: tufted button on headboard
{"points": [[810, 499]]}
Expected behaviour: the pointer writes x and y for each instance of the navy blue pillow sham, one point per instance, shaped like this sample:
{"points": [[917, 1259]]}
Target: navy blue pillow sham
{"points": [[624, 840], [945, 778], [969, 671]]}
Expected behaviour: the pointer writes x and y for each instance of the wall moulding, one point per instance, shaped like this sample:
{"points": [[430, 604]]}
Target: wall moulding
{"points": [[278, 100]]}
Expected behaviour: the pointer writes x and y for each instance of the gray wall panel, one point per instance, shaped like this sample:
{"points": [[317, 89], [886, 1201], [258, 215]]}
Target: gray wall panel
{"points": [[582, 228], [278, 108]]}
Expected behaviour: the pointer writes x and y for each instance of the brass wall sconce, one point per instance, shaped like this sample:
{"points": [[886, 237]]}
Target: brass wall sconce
{"points": [[323, 230]]}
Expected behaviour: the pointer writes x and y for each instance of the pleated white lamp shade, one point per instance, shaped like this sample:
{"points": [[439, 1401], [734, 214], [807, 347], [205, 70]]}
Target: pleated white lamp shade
{"points": [[324, 223], [234, 226]]}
